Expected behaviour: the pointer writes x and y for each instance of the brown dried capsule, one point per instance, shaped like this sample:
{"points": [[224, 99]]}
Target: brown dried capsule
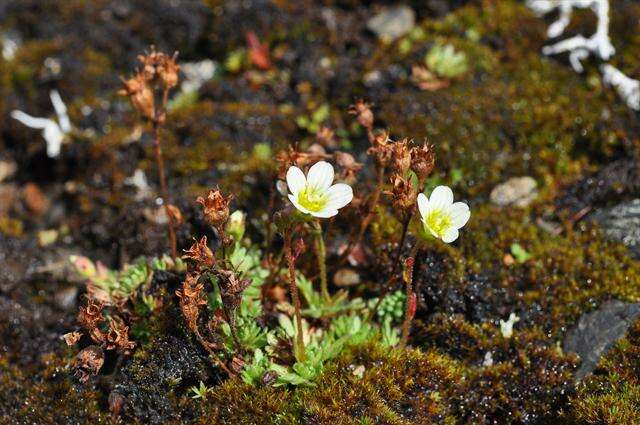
{"points": [[88, 362]]}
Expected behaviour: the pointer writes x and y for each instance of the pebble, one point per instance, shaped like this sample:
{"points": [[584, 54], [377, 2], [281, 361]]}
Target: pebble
{"points": [[392, 23], [346, 277], [7, 169], [622, 223], [517, 191]]}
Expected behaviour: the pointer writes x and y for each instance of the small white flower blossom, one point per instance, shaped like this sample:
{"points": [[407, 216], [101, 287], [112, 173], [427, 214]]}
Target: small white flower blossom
{"points": [[441, 216], [506, 328], [314, 194]]}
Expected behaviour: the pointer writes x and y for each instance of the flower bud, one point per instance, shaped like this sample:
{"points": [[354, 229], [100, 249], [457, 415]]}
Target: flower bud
{"points": [[83, 266], [236, 225]]}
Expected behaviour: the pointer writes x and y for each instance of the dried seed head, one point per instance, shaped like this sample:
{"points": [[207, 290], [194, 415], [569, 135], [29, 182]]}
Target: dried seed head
{"points": [[381, 149], [116, 402], [175, 214], [117, 338], [288, 157], [158, 66], [88, 362], [401, 156], [201, 254], [216, 207], [71, 338], [191, 299], [423, 160], [350, 168], [91, 315], [140, 94], [326, 137], [403, 194], [362, 111], [231, 288]]}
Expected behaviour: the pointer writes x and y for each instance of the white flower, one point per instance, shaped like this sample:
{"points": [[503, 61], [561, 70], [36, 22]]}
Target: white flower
{"points": [[314, 193], [506, 328], [441, 216]]}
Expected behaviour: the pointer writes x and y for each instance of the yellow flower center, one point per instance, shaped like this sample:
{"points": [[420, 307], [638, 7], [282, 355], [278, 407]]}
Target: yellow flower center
{"points": [[437, 221], [312, 198]]}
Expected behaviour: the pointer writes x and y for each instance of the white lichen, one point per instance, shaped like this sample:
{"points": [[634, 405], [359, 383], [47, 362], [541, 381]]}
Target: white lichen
{"points": [[506, 328], [53, 132], [580, 47], [628, 88]]}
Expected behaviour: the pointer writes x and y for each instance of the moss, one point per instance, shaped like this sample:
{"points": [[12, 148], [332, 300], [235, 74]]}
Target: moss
{"points": [[47, 396], [396, 387], [611, 395]]}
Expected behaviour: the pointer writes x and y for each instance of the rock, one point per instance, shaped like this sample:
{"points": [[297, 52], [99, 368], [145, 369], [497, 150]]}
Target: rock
{"points": [[392, 23], [622, 223], [346, 277], [597, 331], [65, 298], [7, 169], [517, 191]]}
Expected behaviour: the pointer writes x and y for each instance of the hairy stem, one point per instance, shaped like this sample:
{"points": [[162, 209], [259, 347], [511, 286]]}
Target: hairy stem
{"points": [[371, 212], [295, 298], [322, 259], [164, 192], [410, 309], [394, 269]]}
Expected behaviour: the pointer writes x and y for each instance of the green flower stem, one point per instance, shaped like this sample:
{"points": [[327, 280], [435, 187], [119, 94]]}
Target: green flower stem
{"points": [[322, 259]]}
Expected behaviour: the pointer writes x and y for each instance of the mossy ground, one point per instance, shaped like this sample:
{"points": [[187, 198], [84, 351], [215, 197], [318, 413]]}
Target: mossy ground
{"points": [[514, 113]]}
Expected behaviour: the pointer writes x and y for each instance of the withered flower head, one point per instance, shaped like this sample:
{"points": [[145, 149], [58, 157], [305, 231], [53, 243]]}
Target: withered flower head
{"points": [[71, 338], [200, 253], [216, 207], [231, 288], [288, 157], [381, 149], [88, 362], [140, 94], [326, 137], [423, 160], [401, 156], [158, 65], [362, 111], [403, 194], [350, 168], [91, 315], [118, 336], [191, 299]]}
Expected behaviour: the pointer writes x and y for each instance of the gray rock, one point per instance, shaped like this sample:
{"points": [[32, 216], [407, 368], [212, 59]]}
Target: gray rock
{"points": [[392, 22], [65, 298], [517, 191], [622, 223], [597, 331]]}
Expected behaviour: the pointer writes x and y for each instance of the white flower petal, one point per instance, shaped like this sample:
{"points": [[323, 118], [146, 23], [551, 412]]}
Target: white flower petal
{"points": [[460, 214], [320, 175], [339, 195], [325, 213], [295, 180], [450, 235], [441, 197], [295, 203], [423, 202]]}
